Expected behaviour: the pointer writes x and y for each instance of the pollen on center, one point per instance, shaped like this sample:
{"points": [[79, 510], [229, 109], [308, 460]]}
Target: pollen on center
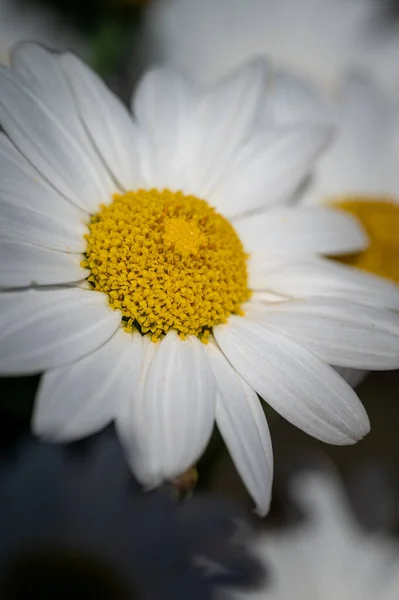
{"points": [[380, 219], [168, 262]]}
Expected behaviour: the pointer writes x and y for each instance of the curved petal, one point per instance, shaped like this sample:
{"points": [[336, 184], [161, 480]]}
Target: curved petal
{"points": [[33, 211], [41, 71], [302, 230], [295, 99], [340, 332], [270, 168], [320, 494], [130, 420], [163, 105], [316, 276], [78, 399], [108, 122], [243, 425], [178, 405], [46, 328], [47, 142], [23, 265], [297, 384], [227, 115], [361, 161]]}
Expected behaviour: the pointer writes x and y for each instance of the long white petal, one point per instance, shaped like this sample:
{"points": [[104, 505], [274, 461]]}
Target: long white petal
{"points": [[48, 144], [269, 169], [178, 404], [342, 333], [297, 384], [108, 122], [83, 397], [33, 211], [316, 276], [40, 71], [163, 105], [361, 160], [22, 265], [302, 230], [243, 425], [294, 99], [226, 117], [131, 423], [46, 328]]}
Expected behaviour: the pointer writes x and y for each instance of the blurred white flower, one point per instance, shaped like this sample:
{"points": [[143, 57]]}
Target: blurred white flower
{"points": [[358, 172], [316, 38], [328, 556], [29, 22]]}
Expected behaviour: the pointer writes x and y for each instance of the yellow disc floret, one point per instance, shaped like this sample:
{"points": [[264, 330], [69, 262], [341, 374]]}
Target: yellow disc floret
{"points": [[167, 261], [380, 219]]}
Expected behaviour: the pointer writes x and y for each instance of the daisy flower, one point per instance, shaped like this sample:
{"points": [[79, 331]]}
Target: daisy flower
{"points": [[329, 555], [315, 38], [68, 531], [148, 269], [358, 173]]}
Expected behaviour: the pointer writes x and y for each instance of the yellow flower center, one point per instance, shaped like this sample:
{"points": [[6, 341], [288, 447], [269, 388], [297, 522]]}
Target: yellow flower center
{"points": [[167, 261], [380, 219]]}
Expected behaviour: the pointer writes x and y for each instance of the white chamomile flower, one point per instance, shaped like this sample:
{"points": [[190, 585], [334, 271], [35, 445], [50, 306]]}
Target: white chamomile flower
{"points": [[315, 38], [359, 173], [328, 555], [20, 21], [148, 269]]}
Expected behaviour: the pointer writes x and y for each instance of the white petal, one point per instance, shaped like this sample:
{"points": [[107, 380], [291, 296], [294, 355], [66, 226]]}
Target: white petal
{"points": [[46, 328], [295, 99], [131, 421], [108, 122], [178, 404], [360, 160], [314, 276], [243, 425], [340, 332], [49, 144], [302, 230], [163, 105], [297, 384], [31, 210], [270, 168], [22, 265], [226, 119], [41, 71], [81, 398], [320, 495]]}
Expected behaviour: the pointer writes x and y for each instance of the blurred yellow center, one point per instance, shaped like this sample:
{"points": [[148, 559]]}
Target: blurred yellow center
{"points": [[380, 219], [167, 261]]}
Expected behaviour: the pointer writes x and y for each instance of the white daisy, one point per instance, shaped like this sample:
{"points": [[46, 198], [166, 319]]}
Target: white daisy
{"points": [[116, 269], [21, 21], [329, 555], [316, 38]]}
